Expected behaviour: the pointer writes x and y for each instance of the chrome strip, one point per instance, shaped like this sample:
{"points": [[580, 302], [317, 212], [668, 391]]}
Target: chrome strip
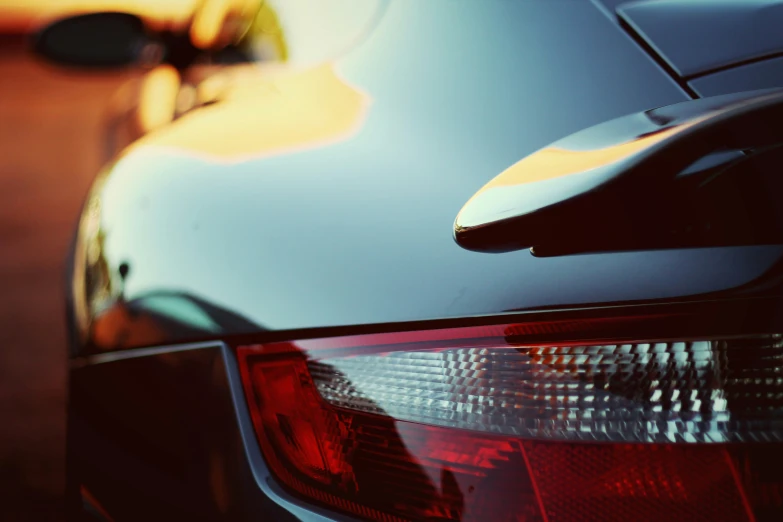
{"points": [[140, 352]]}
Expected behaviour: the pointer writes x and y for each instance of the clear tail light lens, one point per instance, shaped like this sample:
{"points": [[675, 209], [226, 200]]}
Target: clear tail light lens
{"points": [[476, 424]]}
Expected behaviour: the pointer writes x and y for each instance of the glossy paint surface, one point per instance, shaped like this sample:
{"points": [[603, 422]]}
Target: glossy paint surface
{"points": [[326, 196], [760, 75], [183, 441], [719, 34], [636, 160], [166, 433]]}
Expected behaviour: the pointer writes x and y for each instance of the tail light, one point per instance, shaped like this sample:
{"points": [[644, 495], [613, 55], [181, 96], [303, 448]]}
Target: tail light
{"points": [[479, 424]]}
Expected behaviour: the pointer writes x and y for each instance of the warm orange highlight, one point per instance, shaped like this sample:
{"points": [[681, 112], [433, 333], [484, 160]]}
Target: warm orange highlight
{"points": [[158, 97], [554, 162], [218, 22], [266, 114]]}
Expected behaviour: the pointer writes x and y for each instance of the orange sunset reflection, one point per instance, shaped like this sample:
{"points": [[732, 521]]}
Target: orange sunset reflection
{"points": [[279, 112], [554, 162]]}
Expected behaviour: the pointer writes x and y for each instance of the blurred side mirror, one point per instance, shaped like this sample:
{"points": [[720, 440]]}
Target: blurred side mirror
{"points": [[94, 40]]}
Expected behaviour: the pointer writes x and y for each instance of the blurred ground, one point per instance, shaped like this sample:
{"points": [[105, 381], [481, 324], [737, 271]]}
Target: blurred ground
{"points": [[50, 139]]}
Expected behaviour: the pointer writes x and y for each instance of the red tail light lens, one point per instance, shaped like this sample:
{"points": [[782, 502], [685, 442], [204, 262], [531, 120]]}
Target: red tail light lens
{"points": [[468, 424]]}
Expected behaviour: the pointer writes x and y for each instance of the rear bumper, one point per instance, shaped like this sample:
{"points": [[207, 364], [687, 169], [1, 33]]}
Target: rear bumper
{"points": [[164, 433]]}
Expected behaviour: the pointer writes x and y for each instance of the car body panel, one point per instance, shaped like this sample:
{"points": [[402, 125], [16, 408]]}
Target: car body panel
{"points": [[326, 196], [319, 200], [165, 433], [192, 456], [759, 75], [751, 24]]}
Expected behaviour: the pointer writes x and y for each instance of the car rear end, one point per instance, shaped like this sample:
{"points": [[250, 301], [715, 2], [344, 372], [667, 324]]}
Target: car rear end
{"points": [[294, 335], [637, 412]]}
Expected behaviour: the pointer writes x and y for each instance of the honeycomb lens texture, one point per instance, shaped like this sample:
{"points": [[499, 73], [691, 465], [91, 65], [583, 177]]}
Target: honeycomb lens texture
{"points": [[638, 482], [728, 390]]}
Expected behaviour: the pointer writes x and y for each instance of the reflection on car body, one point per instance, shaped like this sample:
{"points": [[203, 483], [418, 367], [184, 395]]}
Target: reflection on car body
{"points": [[271, 317]]}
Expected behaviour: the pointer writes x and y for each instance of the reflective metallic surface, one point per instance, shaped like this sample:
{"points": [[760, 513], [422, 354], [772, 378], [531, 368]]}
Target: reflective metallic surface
{"points": [[759, 75], [176, 419], [624, 159], [295, 210], [325, 196], [698, 36]]}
